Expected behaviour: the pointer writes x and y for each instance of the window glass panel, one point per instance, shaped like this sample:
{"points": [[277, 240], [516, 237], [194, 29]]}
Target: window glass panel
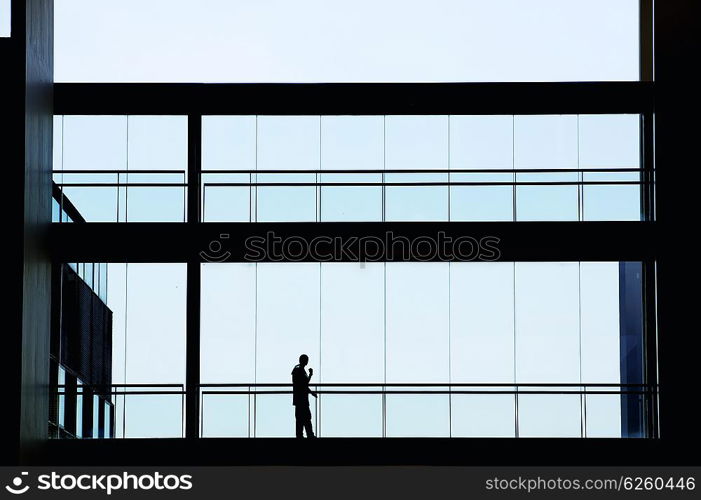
{"points": [[158, 143], [226, 203], [547, 203], [61, 397], [416, 143], [155, 204], [351, 415], [79, 400], [94, 142], [228, 143], [600, 323], [287, 143], [610, 141], [228, 318], [547, 322], [148, 345], [486, 202], [483, 415], [155, 323], [418, 415], [108, 420], [417, 322], [351, 143], [481, 322], [549, 415], [225, 415], [288, 321], [546, 142], [153, 416], [612, 202], [95, 416], [603, 415], [481, 142], [351, 203], [352, 323]]}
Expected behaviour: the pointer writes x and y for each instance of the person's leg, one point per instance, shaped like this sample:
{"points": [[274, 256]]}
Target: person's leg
{"points": [[299, 422], [308, 424]]}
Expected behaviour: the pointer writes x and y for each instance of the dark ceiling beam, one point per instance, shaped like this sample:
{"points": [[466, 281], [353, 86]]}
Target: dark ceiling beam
{"points": [[506, 241], [353, 98]]}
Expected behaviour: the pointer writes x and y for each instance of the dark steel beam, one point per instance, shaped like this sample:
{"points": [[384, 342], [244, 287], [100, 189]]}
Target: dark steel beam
{"points": [[173, 242], [353, 98]]}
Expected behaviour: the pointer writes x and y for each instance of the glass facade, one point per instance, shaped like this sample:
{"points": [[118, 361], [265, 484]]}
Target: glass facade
{"points": [[148, 348], [353, 168], [421, 168], [379, 328], [122, 168]]}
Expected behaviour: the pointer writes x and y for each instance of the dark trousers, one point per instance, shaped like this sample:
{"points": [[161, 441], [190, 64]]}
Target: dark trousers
{"points": [[303, 420]]}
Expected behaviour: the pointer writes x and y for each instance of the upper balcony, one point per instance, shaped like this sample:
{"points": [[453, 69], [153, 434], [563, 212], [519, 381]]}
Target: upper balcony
{"points": [[356, 168]]}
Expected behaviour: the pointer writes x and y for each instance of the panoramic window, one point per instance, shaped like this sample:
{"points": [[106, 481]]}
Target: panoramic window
{"points": [[122, 168], [353, 168], [475, 338], [344, 41]]}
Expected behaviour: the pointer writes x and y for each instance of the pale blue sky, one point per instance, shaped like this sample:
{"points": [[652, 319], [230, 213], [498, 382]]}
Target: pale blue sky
{"points": [[345, 41]]}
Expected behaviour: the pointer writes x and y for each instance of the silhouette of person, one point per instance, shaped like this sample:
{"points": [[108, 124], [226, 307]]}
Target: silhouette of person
{"points": [[300, 397]]}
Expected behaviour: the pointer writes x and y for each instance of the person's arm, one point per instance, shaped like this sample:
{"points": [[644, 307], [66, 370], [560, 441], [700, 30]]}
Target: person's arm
{"points": [[311, 372]]}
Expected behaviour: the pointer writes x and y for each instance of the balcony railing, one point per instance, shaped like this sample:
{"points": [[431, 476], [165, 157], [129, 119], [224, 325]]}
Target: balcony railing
{"points": [[360, 195], [388, 410]]}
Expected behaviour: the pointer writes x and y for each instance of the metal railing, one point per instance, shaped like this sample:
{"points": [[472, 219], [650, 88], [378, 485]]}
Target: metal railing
{"points": [[105, 195], [251, 397], [242, 195], [387, 410]]}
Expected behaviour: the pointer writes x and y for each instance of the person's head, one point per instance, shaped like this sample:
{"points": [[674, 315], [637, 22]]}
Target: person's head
{"points": [[303, 360]]}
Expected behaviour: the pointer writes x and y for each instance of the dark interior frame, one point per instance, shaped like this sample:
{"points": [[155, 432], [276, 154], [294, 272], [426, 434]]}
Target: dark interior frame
{"points": [[661, 104]]}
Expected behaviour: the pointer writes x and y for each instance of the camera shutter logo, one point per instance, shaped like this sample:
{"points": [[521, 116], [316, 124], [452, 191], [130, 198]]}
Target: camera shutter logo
{"points": [[16, 488]]}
